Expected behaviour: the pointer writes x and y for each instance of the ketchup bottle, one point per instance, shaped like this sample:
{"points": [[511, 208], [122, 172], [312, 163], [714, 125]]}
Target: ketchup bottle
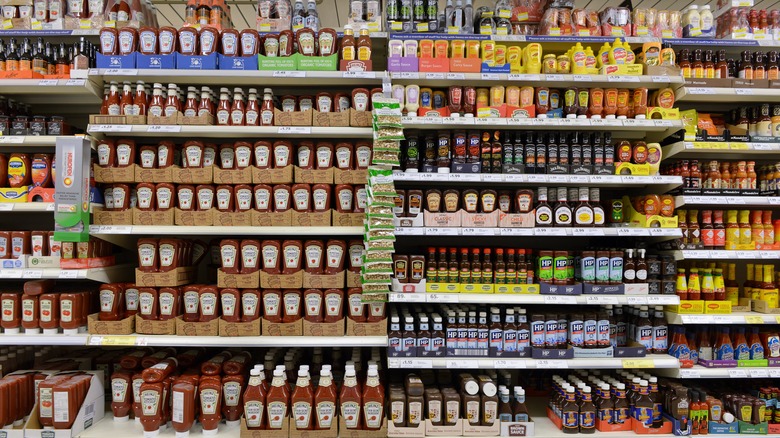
{"points": [[121, 395], [183, 409], [278, 401], [210, 403], [254, 400], [302, 401], [232, 409]]}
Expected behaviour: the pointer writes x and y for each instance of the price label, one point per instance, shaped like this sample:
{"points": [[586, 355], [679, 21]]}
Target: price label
{"points": [[601, 300], [719, 255], [559, 178], [758, 373], [68, 273], [443, 231], [774, 373], [582, 78], [579, 179], [689, 374], [743, 91], [551, 363], [490, 76], [289, 74], [638, 363], [456, 76], [410, 75], [587, 232], [415, 363], [631, 232], [11, 139], [698, 90], [773, 200], [478, 232], [737, 374], [661, 123], [560, 299], [768, 254], [48, 82], [661, 300], [735, 200], [413, 297], [470, 177], [636, 300], [516, 231], [111, 128], [533, 178], [163, 128], [462, 364], [32, 273], [442, 298], [359, 74], [6, 206], [725, 319], [754, 319], [75, 82], [121, 72], [660, 79], [550, 232], [50, 207], [502, 364], [554, 78], [294, 130], [746, 254], [434, 75], [492, 177], [116, 341], [515, 178], [696, 254], [761, 146], [10, 273], [596, 122]]}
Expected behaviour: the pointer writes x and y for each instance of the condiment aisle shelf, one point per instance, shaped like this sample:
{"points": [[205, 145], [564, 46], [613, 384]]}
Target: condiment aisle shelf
{"points": [[731, 201], [664, 233], [650, 361], [699, 372], [7, 33], [551, 80], [254, 78], [727, 95], [619, 127], [38, 339], [44, 141], [110, 274], [213, 131], [435, 297], [125, 235], [718, 150], [717, 254], [26, 206], [82, 339], [733, 318], [107, 427], [661, 182], [52, 91]]}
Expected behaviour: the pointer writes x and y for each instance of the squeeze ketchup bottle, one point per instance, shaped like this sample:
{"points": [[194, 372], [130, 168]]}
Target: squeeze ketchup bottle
{"points": [[121, 395], [183, 409]]}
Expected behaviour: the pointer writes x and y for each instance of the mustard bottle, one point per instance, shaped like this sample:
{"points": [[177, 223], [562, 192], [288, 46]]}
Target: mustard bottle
{"points": [[514, 56], [617, 56], [603, 58], [630, 56], [532, 58], [590, 61], [578, 66]]}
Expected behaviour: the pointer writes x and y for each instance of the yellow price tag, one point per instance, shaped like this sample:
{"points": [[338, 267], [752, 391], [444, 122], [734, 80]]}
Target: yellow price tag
{"points": [[777, 318], [754, 319], [738, 145], [117, 341], [638, 363], [7, 24]]}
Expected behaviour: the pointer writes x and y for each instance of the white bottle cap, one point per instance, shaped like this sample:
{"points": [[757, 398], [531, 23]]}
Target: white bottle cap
{"points": [[211, 432], [122, 419], [32, 331], [51, 331], [184, 434], [14, 331], [152, 434], [233, 423]]}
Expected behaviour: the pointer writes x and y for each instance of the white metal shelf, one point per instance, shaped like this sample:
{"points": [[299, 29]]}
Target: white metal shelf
{"points": [[540, 232], [434, 297], [107, 427], [37, 339], [180, 230], [699, 254], [241, 77], [727, 95], [732, 318], [213, 131], [700, 372], [747, 201], [110, 274], [623, 126], [664, 181], [716, 150], [52, 91], [650, 361], [42, 141], [551, 80], [26, 206]]}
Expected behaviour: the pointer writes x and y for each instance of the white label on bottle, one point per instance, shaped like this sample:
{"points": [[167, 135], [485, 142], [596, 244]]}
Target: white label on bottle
{"points": [[208, 401], [177, 415], [350, 411], [208, 303], [302, 414], [146, 301], [166, 303], [106, 300], [271, 304], [118, 390], [191, 302], [61, 407], [66, 310], [249, 304], [232, 393], [228, 304], [313, 304], [167, 254], [253, 413], [292, 304], [277, 411]]}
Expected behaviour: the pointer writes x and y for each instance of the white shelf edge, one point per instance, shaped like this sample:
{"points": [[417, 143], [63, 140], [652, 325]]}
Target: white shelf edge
{"points": [[434, 297], [540, 232], [109, 274], [219, 230], [657, 361]]}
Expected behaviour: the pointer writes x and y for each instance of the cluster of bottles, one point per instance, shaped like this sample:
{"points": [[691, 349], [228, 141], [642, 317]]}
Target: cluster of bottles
{"points": [[214, 13], [706, 283], [21, 391], [743, 229], [757, 21], [761, 283], [465, 330], [443, 401], [46, 58], [582, 401], [755, 120], [723, 343], [714, 64], [727, 175], [505, 151], [211, 387]]}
